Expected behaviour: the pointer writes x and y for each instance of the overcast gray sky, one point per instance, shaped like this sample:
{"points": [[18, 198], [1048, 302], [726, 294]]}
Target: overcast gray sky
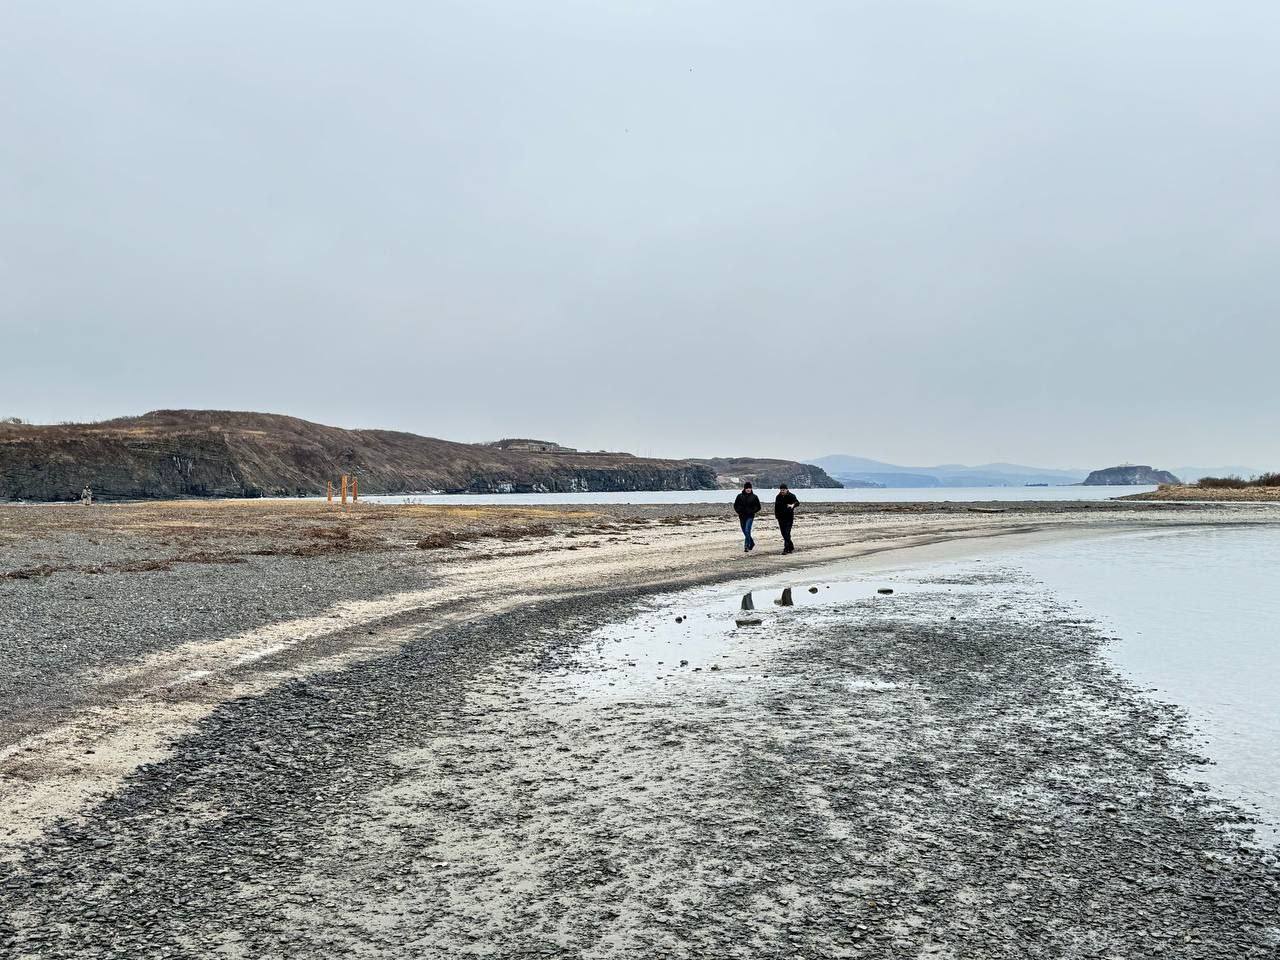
{"points": [[920, 231]]}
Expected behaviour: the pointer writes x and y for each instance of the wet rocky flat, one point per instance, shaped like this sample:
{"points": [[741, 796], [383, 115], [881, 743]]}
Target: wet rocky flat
{"points": [[951, 770]]}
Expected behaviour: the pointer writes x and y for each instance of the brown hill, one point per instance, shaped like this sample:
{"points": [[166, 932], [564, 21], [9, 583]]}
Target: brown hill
{"points": [[217, 453]]}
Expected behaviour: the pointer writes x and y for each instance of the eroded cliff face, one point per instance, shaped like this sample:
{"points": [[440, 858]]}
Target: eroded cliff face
{"points": [[58, 468], [211, 454], [600, 481]]}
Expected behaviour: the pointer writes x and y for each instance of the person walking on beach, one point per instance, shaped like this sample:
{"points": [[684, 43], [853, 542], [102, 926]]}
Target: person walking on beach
{"points": [[784, 508], [746, 506]]}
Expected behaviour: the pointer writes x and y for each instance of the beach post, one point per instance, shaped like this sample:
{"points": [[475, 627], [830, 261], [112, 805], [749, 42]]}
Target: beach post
{"points": [[355, 489], [329, 485], [344, 489]]}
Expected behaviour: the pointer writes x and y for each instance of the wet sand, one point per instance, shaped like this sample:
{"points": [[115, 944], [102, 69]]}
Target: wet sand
{"points": [[393, 751]]}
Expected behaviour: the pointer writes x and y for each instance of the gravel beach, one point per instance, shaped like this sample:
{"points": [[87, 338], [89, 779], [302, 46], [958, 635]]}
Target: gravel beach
{"points": [[281, 730]]}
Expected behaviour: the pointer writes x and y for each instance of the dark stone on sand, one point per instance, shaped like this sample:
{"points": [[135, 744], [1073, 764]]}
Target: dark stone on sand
{"points": [[885, 590]]}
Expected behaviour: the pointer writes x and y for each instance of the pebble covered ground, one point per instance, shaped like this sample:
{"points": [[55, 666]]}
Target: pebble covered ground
{"points": [[952, 770]]}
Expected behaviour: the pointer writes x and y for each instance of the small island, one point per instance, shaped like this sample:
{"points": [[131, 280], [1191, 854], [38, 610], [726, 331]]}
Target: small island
{"points": [[1129, 475]]}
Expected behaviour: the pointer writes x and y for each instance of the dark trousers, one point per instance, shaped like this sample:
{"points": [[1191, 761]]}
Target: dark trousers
{"points": [[746, 520], [785, 520]]}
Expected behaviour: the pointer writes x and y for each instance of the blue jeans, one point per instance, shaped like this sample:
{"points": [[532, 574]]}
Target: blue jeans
{"points": [[746, 522]]}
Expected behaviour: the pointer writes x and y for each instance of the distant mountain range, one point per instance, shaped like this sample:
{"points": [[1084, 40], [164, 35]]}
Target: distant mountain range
{"points": [[863, 472]]}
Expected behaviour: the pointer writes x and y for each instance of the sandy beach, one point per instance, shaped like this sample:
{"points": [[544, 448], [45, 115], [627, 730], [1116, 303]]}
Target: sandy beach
{"points": [[280, 729]]}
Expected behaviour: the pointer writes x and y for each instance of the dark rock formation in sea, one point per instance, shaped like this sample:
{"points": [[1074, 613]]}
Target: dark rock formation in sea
{"points": [[210, 453], [1129, 475], [734, 471]]}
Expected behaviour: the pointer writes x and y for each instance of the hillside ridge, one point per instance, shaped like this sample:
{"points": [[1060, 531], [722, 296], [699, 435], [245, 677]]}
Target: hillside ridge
{"points": [[231, 453]]}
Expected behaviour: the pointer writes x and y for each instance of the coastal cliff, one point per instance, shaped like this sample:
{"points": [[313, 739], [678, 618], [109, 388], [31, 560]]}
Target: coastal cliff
{"points": [[208, 453]]}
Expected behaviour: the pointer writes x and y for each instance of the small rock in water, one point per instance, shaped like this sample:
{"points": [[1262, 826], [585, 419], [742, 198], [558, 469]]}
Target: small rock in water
{"points": [[679, 619], [684, 663], [813, 589], [885, 590]]}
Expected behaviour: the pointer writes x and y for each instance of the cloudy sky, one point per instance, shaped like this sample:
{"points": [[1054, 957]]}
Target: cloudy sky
{"points": [[959, 230]]}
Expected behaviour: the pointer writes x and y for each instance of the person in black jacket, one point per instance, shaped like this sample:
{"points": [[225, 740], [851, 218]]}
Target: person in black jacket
{"points": [[784, 508], [746, 506]]}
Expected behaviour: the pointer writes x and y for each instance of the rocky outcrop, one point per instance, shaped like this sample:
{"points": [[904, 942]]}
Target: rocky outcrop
{"points": [[1129, 475], [734, 471], [206, 453]]}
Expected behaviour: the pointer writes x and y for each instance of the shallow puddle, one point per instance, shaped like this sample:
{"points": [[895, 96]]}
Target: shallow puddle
{"points": [[725, 634]]}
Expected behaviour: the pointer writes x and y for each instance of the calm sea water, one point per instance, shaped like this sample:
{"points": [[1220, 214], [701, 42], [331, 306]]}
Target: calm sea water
{"points": [[847, 495], [1198, 617]]}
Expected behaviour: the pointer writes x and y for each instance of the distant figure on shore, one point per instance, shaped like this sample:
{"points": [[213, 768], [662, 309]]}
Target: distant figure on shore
{"points": [[784, 508], [86, 496], [746, 506]]}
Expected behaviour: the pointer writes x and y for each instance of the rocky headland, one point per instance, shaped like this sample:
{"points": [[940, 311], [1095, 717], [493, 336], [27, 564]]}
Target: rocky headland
{"points": [[734, 471]]}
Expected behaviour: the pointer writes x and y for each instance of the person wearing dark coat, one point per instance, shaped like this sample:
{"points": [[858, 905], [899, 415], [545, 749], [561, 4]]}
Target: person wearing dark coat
{"points": [[784, 508], [746, 506]]}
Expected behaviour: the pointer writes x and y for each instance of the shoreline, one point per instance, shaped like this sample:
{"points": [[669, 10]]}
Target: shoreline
{"points": [[126, 713], [488, 613], [308, 591], [1185, 493]]}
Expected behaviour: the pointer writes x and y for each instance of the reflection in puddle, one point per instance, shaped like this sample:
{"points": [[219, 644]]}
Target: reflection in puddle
{"points": [[746, 616]]}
